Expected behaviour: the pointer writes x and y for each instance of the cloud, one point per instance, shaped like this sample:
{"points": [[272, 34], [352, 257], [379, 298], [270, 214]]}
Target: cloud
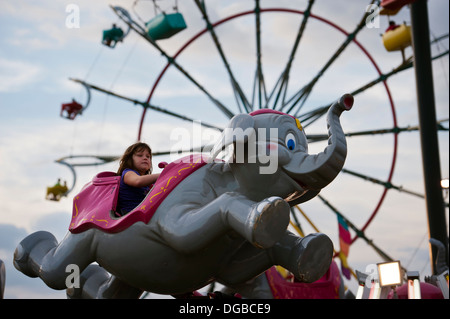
{"points": [[10, 236], [16, 75], [19, 286], [56, 223]]}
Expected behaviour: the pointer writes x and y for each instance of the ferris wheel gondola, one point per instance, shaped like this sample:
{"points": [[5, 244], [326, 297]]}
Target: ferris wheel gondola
{"points": [[72, 109], [59, 190], [116, 34]]}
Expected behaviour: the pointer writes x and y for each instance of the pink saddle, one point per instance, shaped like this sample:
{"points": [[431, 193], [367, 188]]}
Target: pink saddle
{"points": [[95, 205]]}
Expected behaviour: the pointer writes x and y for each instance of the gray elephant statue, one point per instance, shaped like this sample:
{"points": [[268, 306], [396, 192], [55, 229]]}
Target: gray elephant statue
{"points": [[223, 221]]}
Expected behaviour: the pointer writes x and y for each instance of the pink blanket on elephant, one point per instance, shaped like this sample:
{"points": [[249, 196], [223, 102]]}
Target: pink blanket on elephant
{"points": [[94, 206]]}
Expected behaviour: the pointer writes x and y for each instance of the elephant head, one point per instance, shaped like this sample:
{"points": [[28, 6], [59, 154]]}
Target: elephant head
{"points": [[315, 171], [280, 138]]}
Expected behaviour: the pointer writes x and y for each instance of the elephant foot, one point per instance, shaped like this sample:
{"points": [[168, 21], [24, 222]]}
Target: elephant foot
{"points": [[31, 250], [96, 283], [91, 279], [312, 257], [268, 222]]}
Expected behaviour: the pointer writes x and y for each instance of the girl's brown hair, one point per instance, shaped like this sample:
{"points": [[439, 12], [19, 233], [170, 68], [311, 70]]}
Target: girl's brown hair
{"points": [[126, 160]]}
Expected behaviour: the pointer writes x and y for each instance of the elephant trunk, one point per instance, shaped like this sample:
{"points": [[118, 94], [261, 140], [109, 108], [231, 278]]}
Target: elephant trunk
{"points": [[318, 170]]}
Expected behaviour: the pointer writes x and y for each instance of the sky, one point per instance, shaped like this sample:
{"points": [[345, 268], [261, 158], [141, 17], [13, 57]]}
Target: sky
{"points": [[43, 44]]}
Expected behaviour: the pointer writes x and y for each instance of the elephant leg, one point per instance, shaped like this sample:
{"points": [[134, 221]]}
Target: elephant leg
{"points": [[255, 288], [40, 255], [308, 258], [115, 288], [31, 250], [97, 283], [246, 264], [262, 224]]}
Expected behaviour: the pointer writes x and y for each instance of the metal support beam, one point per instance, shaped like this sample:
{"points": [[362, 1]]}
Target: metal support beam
{"points": [[428, 129]]}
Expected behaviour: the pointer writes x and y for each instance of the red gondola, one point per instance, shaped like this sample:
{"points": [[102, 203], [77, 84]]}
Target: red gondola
{"points": [[70, 110], [391, 7]]}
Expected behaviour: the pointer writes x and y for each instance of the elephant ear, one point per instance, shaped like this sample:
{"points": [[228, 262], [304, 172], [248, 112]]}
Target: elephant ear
{"points": [[239, 130]]}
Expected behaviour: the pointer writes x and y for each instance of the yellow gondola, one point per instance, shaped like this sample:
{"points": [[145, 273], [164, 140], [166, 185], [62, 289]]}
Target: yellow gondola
{"points": [[57, 191], [397, 39]]}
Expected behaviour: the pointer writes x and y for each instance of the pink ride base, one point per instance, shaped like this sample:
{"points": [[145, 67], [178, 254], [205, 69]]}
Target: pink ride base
{"points": [[326, 287]]}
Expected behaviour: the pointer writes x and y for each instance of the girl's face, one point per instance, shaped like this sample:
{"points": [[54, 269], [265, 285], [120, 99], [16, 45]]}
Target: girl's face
{"points": [[142, 161]]}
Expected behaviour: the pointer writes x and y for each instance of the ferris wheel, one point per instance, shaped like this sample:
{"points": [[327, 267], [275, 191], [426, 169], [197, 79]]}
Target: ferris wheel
{"points": [[264, 73]]}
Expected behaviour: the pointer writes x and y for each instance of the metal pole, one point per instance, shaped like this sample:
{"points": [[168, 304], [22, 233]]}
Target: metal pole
{"points": [[428, 128]]}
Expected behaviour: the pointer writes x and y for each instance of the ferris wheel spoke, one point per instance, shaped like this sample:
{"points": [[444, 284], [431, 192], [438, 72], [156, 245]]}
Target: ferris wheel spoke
{"points": [[312, 138], [396, 130], [359, 233], [311, 116], [283, 80], [385, 184], [259, 85], [182, 117], [197, 149], [171, 60], [146, 105], [241, 99], [259, 90], [99, 160], [298, 99]]}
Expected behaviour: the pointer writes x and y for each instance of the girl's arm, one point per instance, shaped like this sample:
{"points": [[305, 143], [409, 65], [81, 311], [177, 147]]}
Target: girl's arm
{"points": [[132, 179]]}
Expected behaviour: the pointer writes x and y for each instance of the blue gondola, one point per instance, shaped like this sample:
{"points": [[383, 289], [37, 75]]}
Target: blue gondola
{"points": [[165, 25]]}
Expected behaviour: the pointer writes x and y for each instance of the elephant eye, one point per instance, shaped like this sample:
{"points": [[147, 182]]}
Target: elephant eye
{"points": [[290, 141]]}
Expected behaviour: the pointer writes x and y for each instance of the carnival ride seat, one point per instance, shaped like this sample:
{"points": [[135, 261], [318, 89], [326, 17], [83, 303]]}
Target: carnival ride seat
{"points": [[164, 25], [71, 110], [326, 287], [427, 291], [112, 36], [391, 7], [56, 192], [398, 38], [98, 197], [95, 205]]}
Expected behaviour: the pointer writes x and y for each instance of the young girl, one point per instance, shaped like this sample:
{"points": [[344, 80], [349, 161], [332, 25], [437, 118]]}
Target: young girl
{"points": [[135, 168]]}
